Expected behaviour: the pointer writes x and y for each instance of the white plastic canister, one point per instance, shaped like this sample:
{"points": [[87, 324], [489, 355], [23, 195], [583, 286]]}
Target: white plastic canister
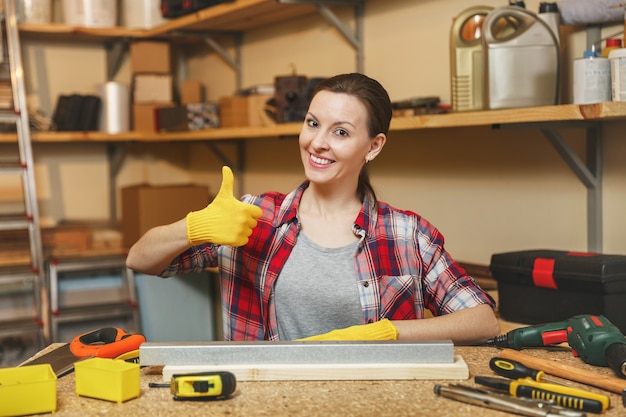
{"points": [[592, 79], [144, 14], [617, 58], [90, 13], [34, 11]]}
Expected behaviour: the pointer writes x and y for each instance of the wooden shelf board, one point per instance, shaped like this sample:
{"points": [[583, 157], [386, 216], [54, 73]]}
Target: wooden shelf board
{"points": [[561, 113], [558, 113], [238, 16], [57, 31]]}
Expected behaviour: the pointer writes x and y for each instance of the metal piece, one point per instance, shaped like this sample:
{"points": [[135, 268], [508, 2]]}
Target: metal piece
{"points": [[237, 166], [117, 154], [354, 39], [234, 63], [589, 172], [61, 359], [266, 352], [483, 398], [115, 52], [123, 308]]}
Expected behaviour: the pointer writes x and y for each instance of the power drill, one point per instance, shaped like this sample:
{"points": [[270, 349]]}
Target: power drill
{"points": [[593, 338]]}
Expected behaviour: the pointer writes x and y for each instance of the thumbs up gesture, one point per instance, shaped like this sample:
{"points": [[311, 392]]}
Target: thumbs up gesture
{"points": [[226, 220]]}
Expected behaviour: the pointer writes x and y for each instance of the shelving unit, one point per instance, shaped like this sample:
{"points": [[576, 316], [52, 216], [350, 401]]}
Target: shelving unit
{"points": [[244, 15]]}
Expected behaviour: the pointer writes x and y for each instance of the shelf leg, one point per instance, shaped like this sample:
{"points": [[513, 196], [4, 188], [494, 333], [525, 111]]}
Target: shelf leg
{"points": [[590, 174]]}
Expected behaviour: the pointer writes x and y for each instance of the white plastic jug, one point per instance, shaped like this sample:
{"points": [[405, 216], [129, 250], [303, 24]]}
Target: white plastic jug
{"points": [[466, 59], [522, 60]]}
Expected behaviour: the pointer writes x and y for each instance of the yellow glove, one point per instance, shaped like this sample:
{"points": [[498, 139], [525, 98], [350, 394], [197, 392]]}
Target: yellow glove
{"points": [[226, 220], [379, 330]]}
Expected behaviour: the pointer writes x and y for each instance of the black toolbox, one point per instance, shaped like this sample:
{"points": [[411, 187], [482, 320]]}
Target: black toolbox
{"points": [[542, 286]]}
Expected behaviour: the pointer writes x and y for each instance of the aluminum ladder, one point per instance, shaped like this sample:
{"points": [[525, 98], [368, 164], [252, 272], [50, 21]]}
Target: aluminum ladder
{"points": [[24, 277]]}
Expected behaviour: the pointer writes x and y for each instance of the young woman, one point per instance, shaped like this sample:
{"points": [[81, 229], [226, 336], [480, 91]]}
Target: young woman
{"points": [[328, 260]]}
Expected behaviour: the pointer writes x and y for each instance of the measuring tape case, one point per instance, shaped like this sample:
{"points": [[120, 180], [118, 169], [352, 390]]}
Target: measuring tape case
{"points": [[541, 286]]}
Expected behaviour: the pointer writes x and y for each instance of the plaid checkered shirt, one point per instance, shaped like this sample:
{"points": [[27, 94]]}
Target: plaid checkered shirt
{"points": [[401, 266]]}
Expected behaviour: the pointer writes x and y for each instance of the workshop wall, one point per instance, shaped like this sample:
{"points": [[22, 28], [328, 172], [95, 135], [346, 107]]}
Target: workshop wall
{"points": [[486, 191]]}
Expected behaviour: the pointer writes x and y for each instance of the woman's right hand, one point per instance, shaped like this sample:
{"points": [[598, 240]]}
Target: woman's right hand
{"points": [[226, 220]]}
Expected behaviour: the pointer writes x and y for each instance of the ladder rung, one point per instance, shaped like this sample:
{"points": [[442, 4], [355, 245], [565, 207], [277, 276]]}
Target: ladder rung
{"points": [[90, 264], [17, 275], [14, 222], [9, 116], [20, 326], [104, 311], [11, 167]]}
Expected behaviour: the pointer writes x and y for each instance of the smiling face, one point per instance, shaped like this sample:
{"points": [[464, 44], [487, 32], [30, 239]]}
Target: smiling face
{"points": [[334, 140]]}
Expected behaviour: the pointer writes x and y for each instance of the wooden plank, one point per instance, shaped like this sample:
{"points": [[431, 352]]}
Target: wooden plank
{"points": [[241, 15], [333, 372], [238, 16], [559, 113]]}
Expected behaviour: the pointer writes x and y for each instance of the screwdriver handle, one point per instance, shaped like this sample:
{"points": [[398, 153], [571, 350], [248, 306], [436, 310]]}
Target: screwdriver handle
{"points": [[513, 370], [560, 395]]}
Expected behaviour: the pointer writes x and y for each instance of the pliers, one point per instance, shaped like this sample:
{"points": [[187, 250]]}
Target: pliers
{"points": [[502, 402]]}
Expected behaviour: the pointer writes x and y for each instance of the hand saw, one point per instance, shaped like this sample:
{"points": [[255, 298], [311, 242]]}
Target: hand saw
{"points": [[108, 342]]}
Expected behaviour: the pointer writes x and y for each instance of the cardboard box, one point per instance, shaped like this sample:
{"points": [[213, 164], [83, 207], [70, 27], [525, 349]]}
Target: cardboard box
{"points": [[203, 116], [153, 88], [150, 57], [146, 206], [236, 111], [191, 92], [172, 119], [543, 286], [62, 239], [145, 116]]}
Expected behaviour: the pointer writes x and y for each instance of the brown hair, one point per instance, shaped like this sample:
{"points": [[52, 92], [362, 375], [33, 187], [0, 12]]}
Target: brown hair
{"points": [[377, 104]]}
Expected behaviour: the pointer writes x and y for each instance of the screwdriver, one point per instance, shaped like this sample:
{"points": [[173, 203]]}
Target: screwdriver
{"points": [[516, 370], [564, 396]]}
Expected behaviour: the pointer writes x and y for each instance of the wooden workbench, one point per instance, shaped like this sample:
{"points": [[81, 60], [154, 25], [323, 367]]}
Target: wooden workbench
{"points": [[313, 398]]}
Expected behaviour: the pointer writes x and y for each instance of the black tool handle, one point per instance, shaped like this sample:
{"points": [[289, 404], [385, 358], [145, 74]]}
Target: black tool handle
{"points": [[616, 358], [512, 369], [564, 400]]}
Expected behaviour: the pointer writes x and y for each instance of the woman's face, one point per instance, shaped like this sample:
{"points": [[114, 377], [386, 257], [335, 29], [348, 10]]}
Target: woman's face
{"points": [[334, 140]]}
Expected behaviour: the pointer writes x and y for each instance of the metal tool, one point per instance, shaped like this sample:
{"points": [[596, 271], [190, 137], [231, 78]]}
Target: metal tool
{"points": [[572, 373], [506, 403], [575, 398], [201, 386], [108, 342], [594, 339], [514, 370]]}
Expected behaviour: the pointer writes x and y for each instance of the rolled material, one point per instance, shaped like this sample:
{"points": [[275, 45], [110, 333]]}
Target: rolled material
{"points": [[115, 107], [586, 12]]}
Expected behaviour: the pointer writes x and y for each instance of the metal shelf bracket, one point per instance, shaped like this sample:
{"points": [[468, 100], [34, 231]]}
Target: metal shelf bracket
{"points": [[589, 172], [353, 37]]}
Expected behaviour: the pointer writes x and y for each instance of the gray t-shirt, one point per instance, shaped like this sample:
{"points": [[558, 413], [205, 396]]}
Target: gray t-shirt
{"points": [[317, 290]]}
